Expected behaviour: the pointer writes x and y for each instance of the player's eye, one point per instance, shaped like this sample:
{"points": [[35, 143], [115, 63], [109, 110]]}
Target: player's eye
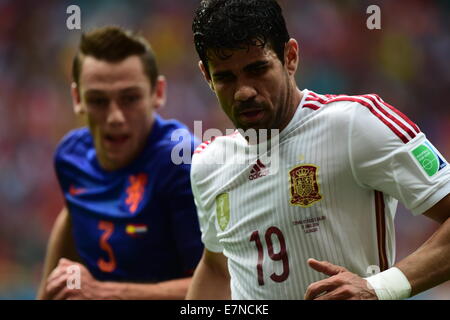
{"points": [[223, 78], [259, 70], [129, 99], [97, 102]]}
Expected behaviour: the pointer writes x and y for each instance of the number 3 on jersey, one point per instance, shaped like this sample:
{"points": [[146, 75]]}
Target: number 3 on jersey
{"points": [[106, 266], [280, 256]]}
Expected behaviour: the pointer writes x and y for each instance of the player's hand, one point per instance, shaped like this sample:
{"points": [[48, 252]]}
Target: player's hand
{"points": [[341, 284], [58, 287]]}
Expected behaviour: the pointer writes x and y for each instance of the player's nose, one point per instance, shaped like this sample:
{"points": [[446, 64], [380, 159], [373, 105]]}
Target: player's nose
{"points": [[115, 114], [244, 92]]}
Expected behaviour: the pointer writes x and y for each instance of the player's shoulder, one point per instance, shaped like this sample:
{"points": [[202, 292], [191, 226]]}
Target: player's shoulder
{"points": [[209, 151], [215, 154], [365, 112], [370, 104], [76, 143], [168, 126], [171, 133], [168, 152], [337, 103]]}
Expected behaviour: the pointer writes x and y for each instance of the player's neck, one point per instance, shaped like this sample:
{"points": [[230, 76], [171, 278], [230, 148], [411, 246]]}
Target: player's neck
{"points": [[292, 104]]}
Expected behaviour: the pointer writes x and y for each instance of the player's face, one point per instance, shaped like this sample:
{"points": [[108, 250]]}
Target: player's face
{"points": [[254, 88], [118, 103]]}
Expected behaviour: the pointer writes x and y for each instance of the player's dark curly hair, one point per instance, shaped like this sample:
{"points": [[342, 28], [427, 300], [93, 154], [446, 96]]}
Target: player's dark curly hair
{"points": [[237, 24]]}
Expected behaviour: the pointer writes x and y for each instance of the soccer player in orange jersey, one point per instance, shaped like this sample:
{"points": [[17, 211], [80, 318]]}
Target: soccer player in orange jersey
{"points": [[130, 224]]}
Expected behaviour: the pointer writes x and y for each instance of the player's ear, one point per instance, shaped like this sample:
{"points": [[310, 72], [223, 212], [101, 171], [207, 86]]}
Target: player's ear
{"points": [[291, 57], [206, 75], [78, 108], [160, 90]]}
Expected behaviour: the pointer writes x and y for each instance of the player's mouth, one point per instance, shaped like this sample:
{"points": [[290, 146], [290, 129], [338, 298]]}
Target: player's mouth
{"points": [[251, 115], [116, 140]]}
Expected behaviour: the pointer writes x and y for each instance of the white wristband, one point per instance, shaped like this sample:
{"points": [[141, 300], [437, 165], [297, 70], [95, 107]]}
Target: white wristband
{"points": [[391, 284]]}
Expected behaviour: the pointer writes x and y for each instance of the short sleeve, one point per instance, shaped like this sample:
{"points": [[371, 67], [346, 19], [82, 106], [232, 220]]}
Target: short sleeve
{"points": [[206, 219], [388, 153]]}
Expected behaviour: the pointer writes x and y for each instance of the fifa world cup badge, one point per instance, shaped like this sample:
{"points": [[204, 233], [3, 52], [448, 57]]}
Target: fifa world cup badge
{"points": [[304, 186], [223, 210]]}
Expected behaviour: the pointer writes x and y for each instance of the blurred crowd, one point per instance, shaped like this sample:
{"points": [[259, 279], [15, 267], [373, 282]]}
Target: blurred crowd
{"points": [[406, 62]]}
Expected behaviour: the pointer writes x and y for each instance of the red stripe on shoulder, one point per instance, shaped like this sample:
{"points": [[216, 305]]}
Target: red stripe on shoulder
{"points": [[313, 94], [399, 113], [376, 100], [316, 97], [311, 106], [202, 146], [376, 113], [377, 110]]}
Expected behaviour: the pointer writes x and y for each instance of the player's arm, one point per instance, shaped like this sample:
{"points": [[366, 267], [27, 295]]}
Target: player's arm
{"points": [[211, 278], [427, 267], [388, 160], [166, 290], [89, 288], [61, 255], [210, 281], [60, 245]]}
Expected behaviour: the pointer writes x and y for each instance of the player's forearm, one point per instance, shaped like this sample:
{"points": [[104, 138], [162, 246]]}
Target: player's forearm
{"points": [[166, 290], [429, 265], [60, 244], [209, 284]]}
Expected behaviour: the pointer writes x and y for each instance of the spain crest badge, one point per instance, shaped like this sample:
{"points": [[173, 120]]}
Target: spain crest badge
{"points": [[304, 186]]}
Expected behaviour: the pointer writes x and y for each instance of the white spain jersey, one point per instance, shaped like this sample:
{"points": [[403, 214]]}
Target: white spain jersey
{"points": [[344, 161]]}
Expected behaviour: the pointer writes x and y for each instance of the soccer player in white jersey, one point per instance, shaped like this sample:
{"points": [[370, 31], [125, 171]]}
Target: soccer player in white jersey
{"points": [[320, 222]]}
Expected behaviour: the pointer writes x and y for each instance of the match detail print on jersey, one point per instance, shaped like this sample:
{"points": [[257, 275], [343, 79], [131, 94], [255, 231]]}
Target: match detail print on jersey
{"points": [[304, 185], [223, 210]]}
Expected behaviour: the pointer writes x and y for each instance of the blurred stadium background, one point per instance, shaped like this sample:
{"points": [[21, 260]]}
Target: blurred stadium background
{"points": [[406, 62]]}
